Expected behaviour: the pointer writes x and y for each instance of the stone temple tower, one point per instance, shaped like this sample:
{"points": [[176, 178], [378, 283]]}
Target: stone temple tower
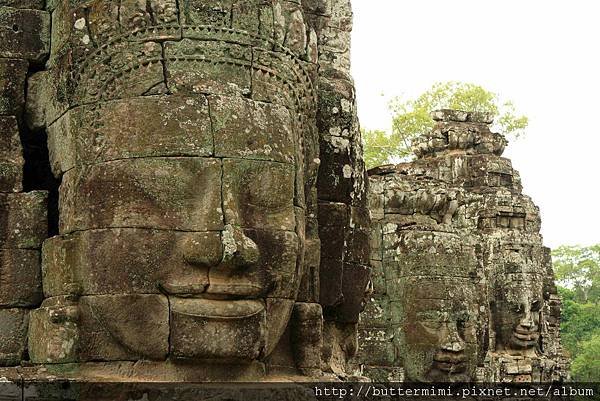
{"points": [[462, 286]]}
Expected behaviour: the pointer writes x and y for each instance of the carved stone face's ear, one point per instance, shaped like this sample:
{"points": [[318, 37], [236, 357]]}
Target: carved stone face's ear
{"points": [[54, 331]]}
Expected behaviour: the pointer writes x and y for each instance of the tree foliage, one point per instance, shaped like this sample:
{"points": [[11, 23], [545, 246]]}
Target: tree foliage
{"points": [[586, 367], [411, 118], [579, 322], [578, 268]]}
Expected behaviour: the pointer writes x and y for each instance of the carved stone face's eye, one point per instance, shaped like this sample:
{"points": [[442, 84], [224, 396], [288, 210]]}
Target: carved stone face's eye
{"points": [[431, 324], [536, 306], [259, 194], [518, 308], [462, 322]]}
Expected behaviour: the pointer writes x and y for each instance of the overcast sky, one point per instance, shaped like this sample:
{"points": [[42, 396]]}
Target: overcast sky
{"points": [[542, 55]]}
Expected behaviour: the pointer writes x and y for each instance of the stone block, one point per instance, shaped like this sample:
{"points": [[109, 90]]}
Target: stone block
{"points": [[270, 86], [336, 107], [309, 287], [53, 332], [123, 69], [100, 328], [207, 12], [24, 34], [375, 347], [334, 246], [354, 287], [230, 330], [259, 194], [378, 280], [20, 278], [247, 129], [11, 177], [11, 155], [13, 74], [177, 193], [335, 181], [215, 67], [376, 242], [333, 214], [331, 273], [150, 126], [13, 335], [123, 327], [10, 143], [357, 246], [38, 103], [376, 313], [23, 221]]}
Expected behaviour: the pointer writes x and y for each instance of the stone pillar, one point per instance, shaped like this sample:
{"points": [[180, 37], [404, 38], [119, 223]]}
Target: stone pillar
{"points": [[341, 186], [24, 45]]}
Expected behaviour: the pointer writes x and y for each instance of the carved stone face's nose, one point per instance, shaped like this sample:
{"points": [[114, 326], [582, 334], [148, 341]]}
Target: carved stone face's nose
{"points": [[231, 248], [452, 341], [527, 320], [238, 249]]}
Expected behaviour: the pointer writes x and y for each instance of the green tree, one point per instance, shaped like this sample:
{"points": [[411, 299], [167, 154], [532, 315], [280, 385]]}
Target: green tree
{"points": [[579, 322], [578, 268], [586, 366], [411, 118]]}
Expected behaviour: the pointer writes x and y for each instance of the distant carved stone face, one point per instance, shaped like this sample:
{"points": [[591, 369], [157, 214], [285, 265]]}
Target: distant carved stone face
{"points": [[183, 203], [438, 336], [517, 312]]}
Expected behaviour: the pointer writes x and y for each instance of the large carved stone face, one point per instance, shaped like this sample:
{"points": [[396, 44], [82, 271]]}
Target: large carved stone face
{"points": [[517, 312], [438, 335], [184, 191]]}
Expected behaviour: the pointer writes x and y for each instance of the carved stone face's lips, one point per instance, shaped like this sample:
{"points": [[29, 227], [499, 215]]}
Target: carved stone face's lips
{"points": [[218, 308], [219, 291], [450, 362], [525, 338]]}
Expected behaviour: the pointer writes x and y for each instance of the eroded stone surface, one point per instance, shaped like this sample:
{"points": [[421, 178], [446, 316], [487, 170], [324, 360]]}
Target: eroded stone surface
{"points": [[23, 217], [20, 278], [24, 33], [13, 73], [11, 155], [13, 336]]}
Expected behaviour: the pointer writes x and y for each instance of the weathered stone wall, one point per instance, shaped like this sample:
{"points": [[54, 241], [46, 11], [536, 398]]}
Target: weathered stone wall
{"points": [[462, 284], [24, 44]]}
